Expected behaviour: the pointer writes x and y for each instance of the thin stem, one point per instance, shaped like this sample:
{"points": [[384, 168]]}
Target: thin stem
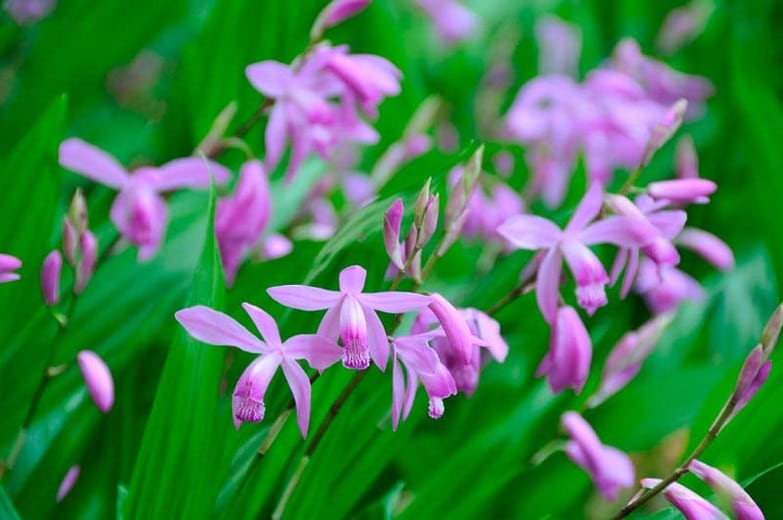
{"points": [[333, 411], [289, 489], [46, 375], [682, 469], [527, 283]]}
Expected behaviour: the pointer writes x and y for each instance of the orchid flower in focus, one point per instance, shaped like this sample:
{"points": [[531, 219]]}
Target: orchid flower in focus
{"points": [[351, 314], [534, 233], [139, 211], [215, 328]]}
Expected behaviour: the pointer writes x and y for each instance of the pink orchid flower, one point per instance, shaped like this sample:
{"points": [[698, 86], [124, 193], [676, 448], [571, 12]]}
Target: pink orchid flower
{"points": [[534, 233], [351, 314], [664, 288], [422, 364], [567, 364], [241, 218], [691, 505], [610, 468], [215, 328], [9, 264], [139, 211]]}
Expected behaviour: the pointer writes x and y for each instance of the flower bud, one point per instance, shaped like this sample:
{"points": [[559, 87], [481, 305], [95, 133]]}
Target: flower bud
{"points": [[276, 246], [728, 490], [689, 503], [89, 247], [686, 162], [391, 232], [421, 203], [8, 264], [98, 379], [70, 242], [665, 129], [68, 482], [414, 266], [682, 190], [50, 277], [334, 13], [771, 333], [430, 221], [77, 212]]}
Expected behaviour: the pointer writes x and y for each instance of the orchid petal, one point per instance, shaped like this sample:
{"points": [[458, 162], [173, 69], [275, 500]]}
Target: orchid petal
{"points": [[275, 136], [352, 279], [377, 342], [265, 324], [300, 387], [621, 231], [330, 324], [187, 172], [304, 297], [93, 163], [270, 77], [668, 222], [630, 273], [394, 301], [213, 327], [319, 351], [530, 232], [398, 392], [247, 402], [587, 209], [548, 284]]}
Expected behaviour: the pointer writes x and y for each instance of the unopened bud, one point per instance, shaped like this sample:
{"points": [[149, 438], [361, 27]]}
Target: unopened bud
{"points": [[89, 246], [50, 278], [334, 13], [78, 212], [98, 379], [391, 232], [70, 242], [686, 162], [664, 129], [682, 190], [421, 203], [472, 170], [728, 490], [414, 264], [454, 326], [771, 333], [708, 246], [430, 222], [68, 482]]}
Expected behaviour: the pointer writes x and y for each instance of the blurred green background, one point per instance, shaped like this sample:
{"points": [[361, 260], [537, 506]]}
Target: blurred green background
{"points": [[69, 75]]}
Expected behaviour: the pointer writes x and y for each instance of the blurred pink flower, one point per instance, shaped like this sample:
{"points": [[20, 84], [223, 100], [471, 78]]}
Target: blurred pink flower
{"points": [[98, 379], [691, 505], [730, 491], [610, 468], [664, 288], [50, 278], [351, 314], [27, 12], [453, 21], [559, 46], [71, 476], [139, 211], [567, 364], [215, 328], [241, 218], [334, 13]]}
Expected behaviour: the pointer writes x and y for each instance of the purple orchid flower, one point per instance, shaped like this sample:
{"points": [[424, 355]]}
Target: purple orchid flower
{"points": [[215, 328], [351, 314], [453, 21], [241, 218], [534, 233], [609, 468], [664, 288], [139, 211], [422, 364], [9, 264], [567, 364], [691, 505]]}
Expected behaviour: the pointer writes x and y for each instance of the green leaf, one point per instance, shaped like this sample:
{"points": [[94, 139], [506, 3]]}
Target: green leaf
{"points": [[30, 177], [7, 509], [178, 468]]}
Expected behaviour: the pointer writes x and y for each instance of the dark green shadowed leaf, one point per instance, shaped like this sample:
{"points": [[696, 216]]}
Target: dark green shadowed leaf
{"points": [[176, 473], [7, 510], [30, 179]]}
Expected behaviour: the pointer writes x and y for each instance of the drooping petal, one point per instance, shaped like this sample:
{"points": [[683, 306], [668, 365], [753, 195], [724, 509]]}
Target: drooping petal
{"points": [[352, 279], [708, 246], [213, 327], [454, 326], [300, 387], [265, 324], [187, 172], [570, 352], [271, 78], [304, 297], [275, 136], [587, 209], [530, 232], [548, 284], [319, 351], [589, 274], [377, 342], [398, 392], [92, 162], [248, 399], [395, 301], [489, 330]]}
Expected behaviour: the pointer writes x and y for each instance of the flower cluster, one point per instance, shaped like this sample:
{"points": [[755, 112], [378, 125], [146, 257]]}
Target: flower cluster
{"points": [[441, 352]]}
